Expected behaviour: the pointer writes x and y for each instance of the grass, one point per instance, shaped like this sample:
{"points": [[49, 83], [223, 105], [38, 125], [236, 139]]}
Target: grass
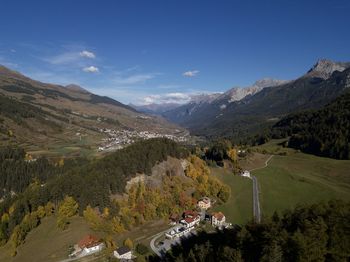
{"points": [[238, 209], [299, 178], [291, 178], [47, 242], [142, 234]]}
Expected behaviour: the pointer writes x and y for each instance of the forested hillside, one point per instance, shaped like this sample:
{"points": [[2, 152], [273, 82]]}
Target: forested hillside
{"points": [[89, 183], [318, 232], [324, 132], [96, 189]]}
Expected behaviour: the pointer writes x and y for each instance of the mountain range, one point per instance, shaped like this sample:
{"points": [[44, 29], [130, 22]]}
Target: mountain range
{"points": [[241, 112], [39, 115]]}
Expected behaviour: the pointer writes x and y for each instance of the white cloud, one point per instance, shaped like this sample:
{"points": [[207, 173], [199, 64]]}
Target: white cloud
{"points": [[87, 54], [191, 73], [64, 58], [91, 69], [133, 79], [69, 57], [178, 98]]}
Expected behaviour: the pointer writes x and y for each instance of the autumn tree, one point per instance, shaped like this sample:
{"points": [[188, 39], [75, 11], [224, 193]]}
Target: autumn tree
{"points": [[128, 243], [67, 209]]}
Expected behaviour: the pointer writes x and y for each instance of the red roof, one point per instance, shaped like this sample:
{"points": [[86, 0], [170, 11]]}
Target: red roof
{"points": [[89, 241], [189, 220], [190, 213], [219, 216]]}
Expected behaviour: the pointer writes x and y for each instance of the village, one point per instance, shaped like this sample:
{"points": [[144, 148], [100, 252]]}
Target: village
{"points": [[117, 139], [182, 227]]}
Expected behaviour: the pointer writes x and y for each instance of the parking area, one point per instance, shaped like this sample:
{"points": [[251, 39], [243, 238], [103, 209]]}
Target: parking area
{"points": [[166, 244]]}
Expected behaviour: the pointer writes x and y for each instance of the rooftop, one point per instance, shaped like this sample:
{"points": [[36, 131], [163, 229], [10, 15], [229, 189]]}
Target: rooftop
{"points": [[123, 250], [89, 241], [218, 215]]}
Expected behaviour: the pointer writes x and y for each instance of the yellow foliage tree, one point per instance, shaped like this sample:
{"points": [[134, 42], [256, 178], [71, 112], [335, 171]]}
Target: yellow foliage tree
{"points": [[5, 218], [92, 218], [49, 208], [67, 209], [232, 154], [117, 225], [128, 243], [41, 211]]}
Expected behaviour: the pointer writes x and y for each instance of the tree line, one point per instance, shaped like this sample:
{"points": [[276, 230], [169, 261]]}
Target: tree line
{"points": [[324, 132]]}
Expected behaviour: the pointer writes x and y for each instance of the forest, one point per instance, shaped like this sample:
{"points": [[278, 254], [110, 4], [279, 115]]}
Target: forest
{"points": [[324, 132], [318, 232], [31, 185], [35, 189]]}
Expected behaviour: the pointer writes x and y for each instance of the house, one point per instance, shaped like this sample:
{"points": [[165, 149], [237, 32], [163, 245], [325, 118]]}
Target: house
{"points": [[204, 203], [177, 231], [88, 245], [218, 219], [190, 222], [246, 173], [123, 253], [190, 219], [190, 214]]}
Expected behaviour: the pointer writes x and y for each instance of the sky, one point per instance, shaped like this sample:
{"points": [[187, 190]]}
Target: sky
{"points": [[149, 51]]}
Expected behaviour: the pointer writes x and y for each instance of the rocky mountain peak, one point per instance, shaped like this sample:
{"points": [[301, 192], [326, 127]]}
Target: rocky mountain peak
{"points": [[324, 68], [266, 82], [238, 93], [204, 98]]}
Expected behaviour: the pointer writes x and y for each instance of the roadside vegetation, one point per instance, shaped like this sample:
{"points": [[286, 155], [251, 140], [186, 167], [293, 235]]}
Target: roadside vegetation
{"points": [[307, 233]]}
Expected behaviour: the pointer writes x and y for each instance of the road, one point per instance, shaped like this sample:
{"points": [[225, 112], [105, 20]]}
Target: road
{"points": [[153, 246], [256, 202], [168, 243]]}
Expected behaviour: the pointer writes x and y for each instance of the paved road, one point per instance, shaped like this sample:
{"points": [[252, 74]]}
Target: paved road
{"points": [[153, 240], [167, 244], [256, 202]]}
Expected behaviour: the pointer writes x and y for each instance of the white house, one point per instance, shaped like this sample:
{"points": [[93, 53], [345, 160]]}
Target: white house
{"points": [[246, 173], [177, 231], [218, 219], [123, 253], [204, 203], [189, 222], [88, 245]]}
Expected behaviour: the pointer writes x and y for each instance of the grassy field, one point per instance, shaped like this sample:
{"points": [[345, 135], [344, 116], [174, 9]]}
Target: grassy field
{"points": [[48, 243], [291, 178], [238, 209], [299, 178]]}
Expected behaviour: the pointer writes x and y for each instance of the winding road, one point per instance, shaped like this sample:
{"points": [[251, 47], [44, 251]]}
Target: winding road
{"points": [[256, 202]]}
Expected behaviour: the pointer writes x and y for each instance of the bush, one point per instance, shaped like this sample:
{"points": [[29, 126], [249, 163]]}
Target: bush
{"points": [[142, 249]]}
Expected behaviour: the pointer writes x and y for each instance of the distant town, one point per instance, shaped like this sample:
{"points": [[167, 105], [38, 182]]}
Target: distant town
{"points": [[117, 139]]}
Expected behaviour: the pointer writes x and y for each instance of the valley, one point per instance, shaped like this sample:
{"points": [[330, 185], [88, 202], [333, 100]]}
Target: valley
{"points": [[175, 131]]}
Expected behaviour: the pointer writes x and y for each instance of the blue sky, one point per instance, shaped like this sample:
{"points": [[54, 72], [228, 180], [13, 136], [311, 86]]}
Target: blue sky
{"points": [[154, 51]]}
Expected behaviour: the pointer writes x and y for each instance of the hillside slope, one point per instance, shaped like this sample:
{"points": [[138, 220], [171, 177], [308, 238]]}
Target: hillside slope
{"points": [[323, 132], [40, 116]]}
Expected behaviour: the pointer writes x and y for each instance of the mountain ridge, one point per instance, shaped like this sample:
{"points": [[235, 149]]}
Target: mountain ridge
{"points": [[258, 110]]}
